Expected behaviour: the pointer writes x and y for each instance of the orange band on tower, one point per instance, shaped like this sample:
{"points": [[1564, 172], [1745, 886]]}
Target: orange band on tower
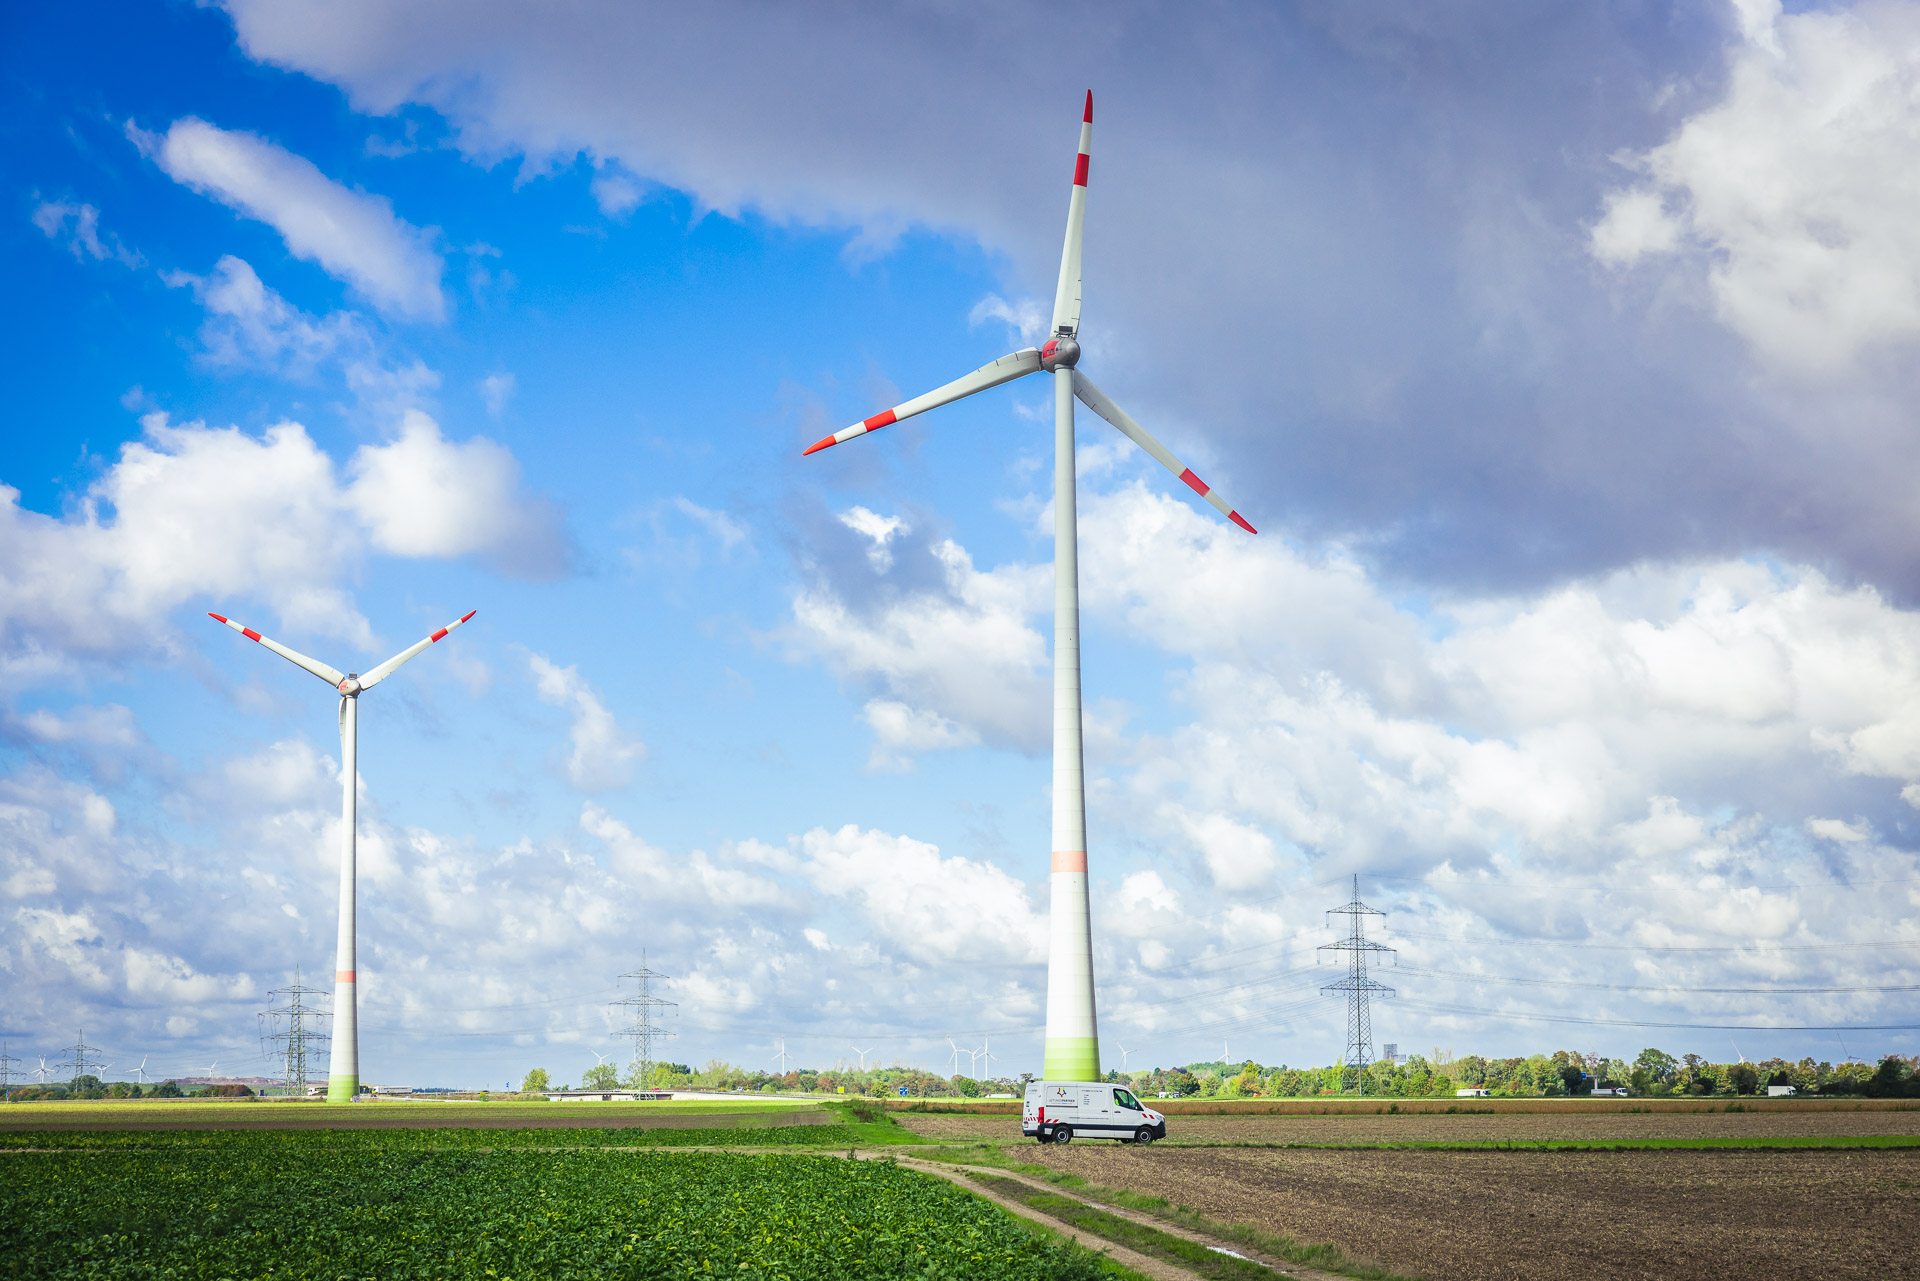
{"points": [[343, 976], [1069, 860]]}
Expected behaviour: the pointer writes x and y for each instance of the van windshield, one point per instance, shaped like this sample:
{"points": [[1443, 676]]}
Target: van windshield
{"points": [[1126, 1100]]}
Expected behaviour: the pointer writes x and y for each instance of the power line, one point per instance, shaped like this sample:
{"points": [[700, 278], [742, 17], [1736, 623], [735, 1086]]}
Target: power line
{"points": [[1442, 1008], [1755, 946], [1470, 976]]}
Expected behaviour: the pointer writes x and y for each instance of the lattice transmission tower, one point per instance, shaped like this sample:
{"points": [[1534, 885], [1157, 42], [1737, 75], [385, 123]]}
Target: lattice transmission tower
{"points": [[644, 1027], [1358, 987], [291, 1031], [80, 1056], [7, 1064]]}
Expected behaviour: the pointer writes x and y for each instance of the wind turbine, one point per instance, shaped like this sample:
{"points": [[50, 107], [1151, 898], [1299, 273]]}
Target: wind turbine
{"points": [[863, 1055], [210, 1067], [343, 1074], [1124, 1052], [781, 1054], [43, 1069], [141, 1071], [957, 1052], [1073, 1046]]}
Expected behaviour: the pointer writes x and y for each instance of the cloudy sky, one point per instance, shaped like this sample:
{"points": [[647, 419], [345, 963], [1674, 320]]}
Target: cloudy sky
{"points": [[1564, 357]]}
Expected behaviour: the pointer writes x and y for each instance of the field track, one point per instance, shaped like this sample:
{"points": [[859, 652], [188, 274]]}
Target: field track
{"points": [[1535, 1127], [1550, 1216], [1431, 1107]]}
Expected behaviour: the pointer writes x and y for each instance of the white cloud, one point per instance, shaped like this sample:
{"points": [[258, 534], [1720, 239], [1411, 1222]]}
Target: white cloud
{"points": [[727, 531], [955, 650], [617, 192], [1795, 191], [932, 908], [248, 323], [423, 495], [899, 730], [109, 726], [80, 226], [192, 512], [877, 529], [603, 755], [497, 390], [351, 234], [1023, 317]]}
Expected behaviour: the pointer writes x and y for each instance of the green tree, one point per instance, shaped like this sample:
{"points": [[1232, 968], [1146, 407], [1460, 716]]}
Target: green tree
{"points": [[601, 1076], [536, 1082], [1657, 1064]]}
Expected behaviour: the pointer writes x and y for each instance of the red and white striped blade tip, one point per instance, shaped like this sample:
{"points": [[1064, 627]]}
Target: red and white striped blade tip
{"points": [[1241, 521], [817, 445], [244, 630], [1088, 118]]}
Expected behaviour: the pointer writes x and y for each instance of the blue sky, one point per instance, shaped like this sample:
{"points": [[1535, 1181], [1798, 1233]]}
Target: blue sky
{"points": [[1574, 422]]}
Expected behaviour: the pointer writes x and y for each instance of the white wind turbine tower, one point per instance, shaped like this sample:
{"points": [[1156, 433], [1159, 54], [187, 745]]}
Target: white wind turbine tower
{"points": [[141, 1071], [1073, 1047], [343, 1075], [863, 1055]]}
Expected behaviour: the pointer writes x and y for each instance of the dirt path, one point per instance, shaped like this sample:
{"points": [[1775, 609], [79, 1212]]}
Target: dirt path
{"points": [[1186, 1234], [1465, 1128], [1120, 1254], [1548, 1216]]}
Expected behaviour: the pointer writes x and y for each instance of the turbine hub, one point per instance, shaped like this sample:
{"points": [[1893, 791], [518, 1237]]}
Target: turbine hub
{"points": [[1061, 352], [351, 685]]}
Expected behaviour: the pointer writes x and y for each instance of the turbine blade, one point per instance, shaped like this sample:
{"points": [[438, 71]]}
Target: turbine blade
{"points": [[1066, 295], [295, 657], [392, 665], [1004, 370], [1096, 400]]}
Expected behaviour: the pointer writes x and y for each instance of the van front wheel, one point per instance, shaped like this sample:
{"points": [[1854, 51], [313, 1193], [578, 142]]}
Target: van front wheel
{"points": [[1143, 1136], [1063, 1134]]}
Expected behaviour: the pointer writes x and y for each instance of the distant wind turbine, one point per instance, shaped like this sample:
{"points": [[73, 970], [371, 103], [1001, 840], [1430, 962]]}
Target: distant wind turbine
{"points": [[343, 1075], [957, 1052], [1072, 1046], [863, 1055], [141, 1071]]}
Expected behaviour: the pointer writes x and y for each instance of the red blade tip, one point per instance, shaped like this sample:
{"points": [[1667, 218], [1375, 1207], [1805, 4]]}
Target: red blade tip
{"points": [[1241, 521], [469, 614], [1088, 118], [822, 443], [215, 617]]}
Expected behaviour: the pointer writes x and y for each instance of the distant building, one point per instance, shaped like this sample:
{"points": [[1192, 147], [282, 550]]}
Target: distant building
{"points": [[1390, 1051], [606, 1096], [1475, 1092], [1780, 1091]]}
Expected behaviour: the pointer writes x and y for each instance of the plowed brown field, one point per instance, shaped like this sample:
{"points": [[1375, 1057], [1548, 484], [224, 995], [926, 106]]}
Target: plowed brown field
{"points": [[1544, 1216], [1463, 1128]]}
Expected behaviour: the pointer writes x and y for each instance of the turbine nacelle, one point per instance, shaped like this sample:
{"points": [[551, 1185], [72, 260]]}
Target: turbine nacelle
{"points": [[350, 686], [1061, 352]]}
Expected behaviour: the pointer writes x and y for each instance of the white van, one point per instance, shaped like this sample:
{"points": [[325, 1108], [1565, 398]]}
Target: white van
{"points": [[1056, 1111]]}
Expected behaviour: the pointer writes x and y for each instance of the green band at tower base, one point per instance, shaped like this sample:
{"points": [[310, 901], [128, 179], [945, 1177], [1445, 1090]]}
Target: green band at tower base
{"points": [[1072, 1058], [341, 1089]]}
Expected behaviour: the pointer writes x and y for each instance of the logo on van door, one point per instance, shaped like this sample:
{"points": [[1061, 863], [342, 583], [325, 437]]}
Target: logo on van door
{"points": [[1059, 1095]]}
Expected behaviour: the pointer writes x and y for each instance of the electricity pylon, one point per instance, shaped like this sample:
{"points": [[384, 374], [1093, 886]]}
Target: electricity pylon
{"points": [[1357, 986], [292, 1041], [643, 1030]]}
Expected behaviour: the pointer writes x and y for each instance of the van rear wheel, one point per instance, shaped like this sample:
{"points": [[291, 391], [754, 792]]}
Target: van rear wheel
{"points": [[1143, 1136], [1063, 1134]]}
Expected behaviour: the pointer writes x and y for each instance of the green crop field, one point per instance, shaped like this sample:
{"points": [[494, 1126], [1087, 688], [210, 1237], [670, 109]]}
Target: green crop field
{"points": [[378, 1205]]}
